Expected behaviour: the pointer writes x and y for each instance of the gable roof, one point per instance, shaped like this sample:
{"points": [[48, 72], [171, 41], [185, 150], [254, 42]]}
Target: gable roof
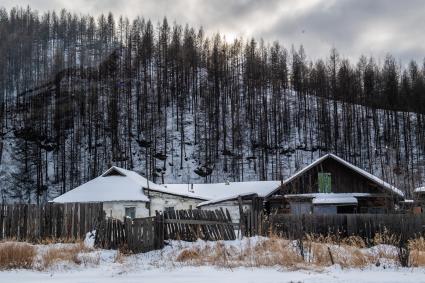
{"points": [[362, 172], [145, 183], [115, 184]]}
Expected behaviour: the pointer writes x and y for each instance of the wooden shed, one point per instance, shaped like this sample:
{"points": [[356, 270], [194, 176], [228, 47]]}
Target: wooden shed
{"points": [[332, 185]]}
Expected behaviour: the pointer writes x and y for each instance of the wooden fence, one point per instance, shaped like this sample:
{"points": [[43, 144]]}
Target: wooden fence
{"points": [[34, 223], [137, 235], [343, 225], [146, 234], [190, 225], [251, 222]]}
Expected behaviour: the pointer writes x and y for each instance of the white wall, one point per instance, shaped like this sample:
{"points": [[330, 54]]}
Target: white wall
{"points": [[159, 201], [232, 206], [116, 209]]}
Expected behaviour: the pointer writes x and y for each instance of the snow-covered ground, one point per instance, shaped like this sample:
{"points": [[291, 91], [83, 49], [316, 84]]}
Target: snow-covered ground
{"points": [[162, 266], [107, 274]]}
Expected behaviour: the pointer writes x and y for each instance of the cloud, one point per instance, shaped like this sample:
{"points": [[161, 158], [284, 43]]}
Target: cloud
{"points": [[354, 27]]}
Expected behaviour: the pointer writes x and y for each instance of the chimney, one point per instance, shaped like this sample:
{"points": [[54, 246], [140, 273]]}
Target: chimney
{"points": [[191, 188]]}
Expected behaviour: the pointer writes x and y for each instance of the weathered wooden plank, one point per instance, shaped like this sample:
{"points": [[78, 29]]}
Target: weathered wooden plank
{"points": [[197, 222]]}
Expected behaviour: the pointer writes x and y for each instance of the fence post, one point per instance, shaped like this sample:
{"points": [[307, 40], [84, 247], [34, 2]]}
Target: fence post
{"points": [[242, 226]]}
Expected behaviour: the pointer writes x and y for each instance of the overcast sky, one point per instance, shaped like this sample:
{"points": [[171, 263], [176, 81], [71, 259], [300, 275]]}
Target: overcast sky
{"points": [[354, 27]]}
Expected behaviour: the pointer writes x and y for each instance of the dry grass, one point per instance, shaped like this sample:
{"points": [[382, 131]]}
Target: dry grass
{"points": [[417, 244], [71, 254], [17, 255], [119, 257], [417, 252], [354, 241], [188, 255], [269, 252], [319, 255], [48, 241], [386, 238], [348, 253], [275, 251], [324, 239], [28, 256], [314, 252], [417, 258]]}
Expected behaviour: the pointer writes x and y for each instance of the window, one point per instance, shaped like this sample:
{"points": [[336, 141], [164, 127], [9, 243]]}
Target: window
{"points": [[169, 208], [325, 182], [130, 212]]}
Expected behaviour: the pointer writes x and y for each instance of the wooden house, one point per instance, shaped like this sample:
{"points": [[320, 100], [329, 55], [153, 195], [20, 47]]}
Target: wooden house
{"points": [[332, 185]]}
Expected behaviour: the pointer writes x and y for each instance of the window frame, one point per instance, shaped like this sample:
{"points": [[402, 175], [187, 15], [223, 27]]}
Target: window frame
{"points": [[132, 213]]}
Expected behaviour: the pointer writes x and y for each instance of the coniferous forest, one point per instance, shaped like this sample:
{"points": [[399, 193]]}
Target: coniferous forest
{"points": [[81, 93]]}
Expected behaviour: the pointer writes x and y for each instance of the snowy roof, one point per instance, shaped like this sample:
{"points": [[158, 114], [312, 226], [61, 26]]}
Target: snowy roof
{"points": [[420, 190], [218, 200], [329, 195], [334, 199], [116, 184], [330, 198], [219, 191], [362, 172]]}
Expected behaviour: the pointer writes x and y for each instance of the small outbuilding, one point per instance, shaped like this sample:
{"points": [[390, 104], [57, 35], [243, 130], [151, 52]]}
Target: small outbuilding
{"points": [[237, 196]]}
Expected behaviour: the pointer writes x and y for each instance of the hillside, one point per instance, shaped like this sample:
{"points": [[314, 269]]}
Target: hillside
{"points": [[80, 94]]}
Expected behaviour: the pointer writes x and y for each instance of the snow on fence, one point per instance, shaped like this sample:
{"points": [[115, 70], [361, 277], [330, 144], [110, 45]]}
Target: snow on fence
{"points": [[34, 223], [343, 225], [190, 225], [146, 234]]}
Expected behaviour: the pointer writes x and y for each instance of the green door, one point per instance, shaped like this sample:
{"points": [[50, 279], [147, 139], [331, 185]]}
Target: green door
{"points": [[325, 182]]}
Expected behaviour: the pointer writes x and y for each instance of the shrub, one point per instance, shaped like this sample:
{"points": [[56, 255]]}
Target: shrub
{"points": [[17, 255]]}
